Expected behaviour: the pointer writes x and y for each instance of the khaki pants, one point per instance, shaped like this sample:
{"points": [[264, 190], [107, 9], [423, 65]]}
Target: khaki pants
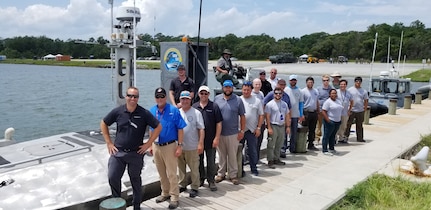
{"points": [[190, 158], [166, 163], [227, 150]]}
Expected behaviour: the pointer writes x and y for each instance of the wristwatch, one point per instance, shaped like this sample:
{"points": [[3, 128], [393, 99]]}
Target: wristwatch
{"points": [[242, 131], [180, 144]]}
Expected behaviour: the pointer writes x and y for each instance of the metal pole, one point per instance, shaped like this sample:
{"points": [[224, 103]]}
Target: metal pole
{"points": [[111, 2], [372, 60], [399, 52], [134, 43]]}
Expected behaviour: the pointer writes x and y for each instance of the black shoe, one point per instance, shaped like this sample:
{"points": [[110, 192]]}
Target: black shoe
{"points": [[193, 193], [173, 204], [312, 147], [271, 164], [343, 142], [361, 140], [243, 174], [212, 186], [279, 162], [202, 183], [255, 173], [182, 189], [282, 155]]}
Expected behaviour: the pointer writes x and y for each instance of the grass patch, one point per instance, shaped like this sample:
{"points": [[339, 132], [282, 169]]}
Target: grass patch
{"points": [[81, 63], [383, 192], [421, 75]]}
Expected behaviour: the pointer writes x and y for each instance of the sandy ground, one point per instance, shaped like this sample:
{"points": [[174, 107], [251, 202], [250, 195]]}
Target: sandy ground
{"points": [[350, 69]]}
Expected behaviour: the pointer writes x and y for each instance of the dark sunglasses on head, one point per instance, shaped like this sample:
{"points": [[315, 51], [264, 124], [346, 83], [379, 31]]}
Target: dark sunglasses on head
{"points": [[132, 96], [160, 96], [247, 83]]}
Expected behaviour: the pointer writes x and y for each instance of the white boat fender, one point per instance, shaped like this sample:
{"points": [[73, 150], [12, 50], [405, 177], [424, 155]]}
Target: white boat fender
{"points": [[8, 133]]}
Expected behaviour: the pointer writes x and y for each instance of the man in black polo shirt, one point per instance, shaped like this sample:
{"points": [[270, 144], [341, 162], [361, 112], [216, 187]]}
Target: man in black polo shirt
{"points": [[179, 84], [266, 85], [212, 120], [128, 148]]}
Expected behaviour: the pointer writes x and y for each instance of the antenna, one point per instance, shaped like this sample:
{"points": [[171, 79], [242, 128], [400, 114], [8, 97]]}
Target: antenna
{"points": [[134, 43]]}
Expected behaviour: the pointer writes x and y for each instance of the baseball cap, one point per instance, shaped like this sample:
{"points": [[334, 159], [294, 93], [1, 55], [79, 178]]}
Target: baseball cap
{"points": [[160, 92], [204, 87], [293, 77], [336, 74], [262, 72], [185, 94], [227, 83]]}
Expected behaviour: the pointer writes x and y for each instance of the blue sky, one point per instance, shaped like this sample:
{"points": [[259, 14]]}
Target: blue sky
{"points": [[82, 19]]}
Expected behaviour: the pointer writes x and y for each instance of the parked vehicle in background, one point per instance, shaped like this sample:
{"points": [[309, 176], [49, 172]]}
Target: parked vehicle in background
{"points": [[342, 59], [283, 58], [311, 59]]}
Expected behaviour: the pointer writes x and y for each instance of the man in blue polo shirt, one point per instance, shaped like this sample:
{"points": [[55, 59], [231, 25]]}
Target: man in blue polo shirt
{"points": [[128, 148], [168, 147]]}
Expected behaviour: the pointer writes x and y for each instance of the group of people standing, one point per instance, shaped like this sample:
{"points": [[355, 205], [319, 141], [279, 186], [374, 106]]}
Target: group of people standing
{"points": [[192, 126]]}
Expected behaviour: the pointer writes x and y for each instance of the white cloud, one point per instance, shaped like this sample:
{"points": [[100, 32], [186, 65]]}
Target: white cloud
{"points": [[91, 18]]}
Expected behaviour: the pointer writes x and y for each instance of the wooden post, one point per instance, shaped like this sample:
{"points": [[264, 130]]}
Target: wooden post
{"points": [[113, 204], [418, 98], [392, 107], [367, 115], [408, 102]]}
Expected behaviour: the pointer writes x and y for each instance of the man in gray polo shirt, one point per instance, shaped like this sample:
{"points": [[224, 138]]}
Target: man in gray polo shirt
{"points": [[232, 108]]}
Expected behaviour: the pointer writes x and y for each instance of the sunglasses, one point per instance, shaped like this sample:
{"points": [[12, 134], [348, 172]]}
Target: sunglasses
{"points": [[325, 80], [132, 96], [248, 83], [160, 96], [262, 74], [204, 94], [273, 73], [278, 93]]}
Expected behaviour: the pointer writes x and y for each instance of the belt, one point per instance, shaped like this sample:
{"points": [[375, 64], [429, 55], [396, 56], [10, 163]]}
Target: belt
{"points": [[164, 144], [311, 111], [277, 124], [128, 150]]}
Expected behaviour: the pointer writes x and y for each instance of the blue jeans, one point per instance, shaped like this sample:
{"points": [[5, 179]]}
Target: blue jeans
{"points": [[252, 149], [293, 136], [329, 130]]}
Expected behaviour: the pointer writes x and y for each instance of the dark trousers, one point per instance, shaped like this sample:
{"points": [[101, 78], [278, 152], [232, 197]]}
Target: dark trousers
{"points": [[252, 149], [117, 165], [211, 169], [259, 140], [359, 120], [311, 121], [293, 136], [329, 130]]}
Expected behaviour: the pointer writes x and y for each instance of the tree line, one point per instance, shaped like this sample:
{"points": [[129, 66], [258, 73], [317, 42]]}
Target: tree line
{"points": [[352, 44]]}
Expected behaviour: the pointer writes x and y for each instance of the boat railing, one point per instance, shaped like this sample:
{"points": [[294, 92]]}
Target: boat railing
{"points": [[40, 159]]}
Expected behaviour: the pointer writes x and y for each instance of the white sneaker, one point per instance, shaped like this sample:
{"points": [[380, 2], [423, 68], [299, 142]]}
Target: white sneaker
{"points": [[328, 153]]}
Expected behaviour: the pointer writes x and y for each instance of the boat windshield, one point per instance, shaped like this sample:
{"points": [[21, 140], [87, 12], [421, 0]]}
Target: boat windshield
{"points": [[389, 86]]}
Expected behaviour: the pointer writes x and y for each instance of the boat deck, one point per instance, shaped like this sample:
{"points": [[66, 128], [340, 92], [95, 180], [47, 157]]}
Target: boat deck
{"points": [[313, 180]]}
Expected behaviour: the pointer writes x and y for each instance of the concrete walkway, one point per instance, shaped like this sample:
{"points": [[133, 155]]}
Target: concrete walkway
{"points": [[313, 180]]}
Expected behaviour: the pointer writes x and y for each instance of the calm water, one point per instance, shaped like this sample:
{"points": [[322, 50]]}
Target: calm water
{"points": [[40, 101]]}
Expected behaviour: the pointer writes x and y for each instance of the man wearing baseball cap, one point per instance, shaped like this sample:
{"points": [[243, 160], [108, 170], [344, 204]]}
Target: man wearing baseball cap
{"points": [[213, 124], [168, 147], [193, 144], [232, 109]]}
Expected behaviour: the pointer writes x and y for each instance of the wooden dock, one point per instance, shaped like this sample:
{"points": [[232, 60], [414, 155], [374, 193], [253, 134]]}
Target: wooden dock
{"points": [[312, 180]]}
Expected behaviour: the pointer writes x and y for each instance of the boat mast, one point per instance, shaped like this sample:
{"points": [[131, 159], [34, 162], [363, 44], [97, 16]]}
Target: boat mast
{"points": [[399, 52], [372, 61], [134, 43], [111, 2]]}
